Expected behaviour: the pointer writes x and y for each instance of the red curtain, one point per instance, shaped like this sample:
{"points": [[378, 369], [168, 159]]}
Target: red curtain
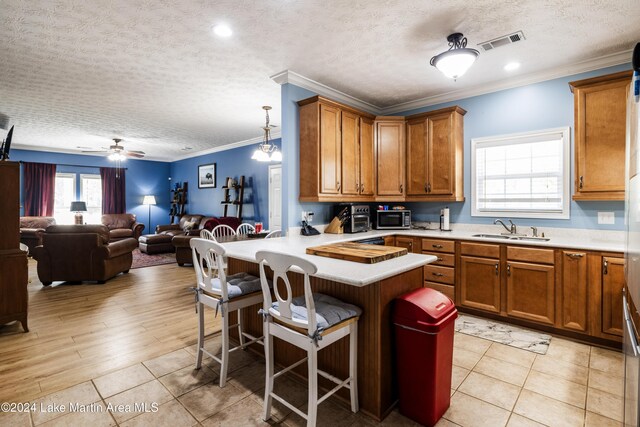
{"points": [[39, 189], [113, 190]]}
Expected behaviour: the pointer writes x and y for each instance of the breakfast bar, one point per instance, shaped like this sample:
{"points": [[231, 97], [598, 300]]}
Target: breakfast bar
{"points": [[372, 287]]}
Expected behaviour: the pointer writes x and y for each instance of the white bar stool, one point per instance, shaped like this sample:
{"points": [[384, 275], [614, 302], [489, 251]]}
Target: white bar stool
{"points": [[223, 293], [245, 228], [310, 322]]}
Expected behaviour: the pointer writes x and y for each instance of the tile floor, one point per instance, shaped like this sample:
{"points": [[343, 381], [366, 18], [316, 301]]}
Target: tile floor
{"points": [[492, 385]]}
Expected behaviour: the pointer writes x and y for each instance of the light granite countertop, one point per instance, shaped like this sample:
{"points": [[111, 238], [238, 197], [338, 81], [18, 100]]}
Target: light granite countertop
{"points": [[357, 274]]}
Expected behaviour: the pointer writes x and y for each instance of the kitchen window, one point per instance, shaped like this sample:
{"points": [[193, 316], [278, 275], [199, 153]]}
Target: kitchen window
{"points": [[523, 175]]}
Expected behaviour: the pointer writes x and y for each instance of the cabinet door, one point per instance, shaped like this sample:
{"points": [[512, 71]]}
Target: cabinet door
{"points": [[390, 158], [405, 242], [330, 143], [531, 292], [367, 158], [417, 179], [389, 240], [350, 154], [612, 283], [600, 124], [480, 283], [441, 154], [575, 303]]}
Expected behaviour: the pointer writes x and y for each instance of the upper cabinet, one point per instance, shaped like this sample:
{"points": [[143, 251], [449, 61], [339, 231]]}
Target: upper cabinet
{"points": [[600, 125], [390, 157], [434, 155], [336, 152]]}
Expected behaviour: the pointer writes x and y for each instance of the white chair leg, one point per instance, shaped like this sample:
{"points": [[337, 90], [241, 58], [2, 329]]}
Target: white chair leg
{"points": [[200, 335], [268, 385], [240, 329], [353, 365], [312, 406], [224, 366]]}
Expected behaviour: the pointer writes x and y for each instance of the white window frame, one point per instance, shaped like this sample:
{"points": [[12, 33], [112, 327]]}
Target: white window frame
{"points": [[84, 176], [68, 218], [566, 174]]}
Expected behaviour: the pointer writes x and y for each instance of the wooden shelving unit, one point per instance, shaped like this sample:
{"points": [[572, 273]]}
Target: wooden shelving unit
{"points": [[238, 187], [178, 202]]}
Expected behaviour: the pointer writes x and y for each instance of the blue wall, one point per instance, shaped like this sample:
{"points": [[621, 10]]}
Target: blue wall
{"points": [[534, 107], [233, 163], [143, 177]]}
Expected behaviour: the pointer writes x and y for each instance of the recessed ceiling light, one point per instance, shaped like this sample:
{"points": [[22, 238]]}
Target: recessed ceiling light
{"points": [[512, 66], [222, 30]]}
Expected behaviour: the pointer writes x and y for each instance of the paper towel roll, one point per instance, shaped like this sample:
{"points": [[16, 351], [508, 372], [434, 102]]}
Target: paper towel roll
{"points": [[445, 220]]}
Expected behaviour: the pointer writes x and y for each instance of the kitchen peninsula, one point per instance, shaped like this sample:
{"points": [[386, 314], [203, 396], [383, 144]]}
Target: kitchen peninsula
{"points": [[372, 287]]}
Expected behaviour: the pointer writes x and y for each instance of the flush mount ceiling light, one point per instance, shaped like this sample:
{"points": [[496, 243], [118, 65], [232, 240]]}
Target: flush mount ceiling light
{"points": [[457, 60], [222, 30], [267, 151], [512, 66]]}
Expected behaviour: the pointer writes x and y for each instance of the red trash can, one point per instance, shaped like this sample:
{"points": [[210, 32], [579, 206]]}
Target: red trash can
{"points": [[424, 324]]}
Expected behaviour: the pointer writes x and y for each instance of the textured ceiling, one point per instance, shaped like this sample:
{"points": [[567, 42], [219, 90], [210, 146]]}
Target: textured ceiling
{"points": [[76, 73]]}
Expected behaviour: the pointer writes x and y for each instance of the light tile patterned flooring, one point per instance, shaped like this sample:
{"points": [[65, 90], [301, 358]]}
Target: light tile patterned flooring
{"points": [[492, 385]]}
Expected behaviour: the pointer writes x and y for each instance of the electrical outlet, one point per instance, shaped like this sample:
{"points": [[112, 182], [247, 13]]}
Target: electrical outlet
{"points": [[606, 218]]}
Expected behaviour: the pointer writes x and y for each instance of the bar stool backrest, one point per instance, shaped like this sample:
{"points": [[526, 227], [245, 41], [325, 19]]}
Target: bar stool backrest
{"points": [[210, 275], [206, 234], [223, 230], [281, 263], [245, 229], [274, 234]]}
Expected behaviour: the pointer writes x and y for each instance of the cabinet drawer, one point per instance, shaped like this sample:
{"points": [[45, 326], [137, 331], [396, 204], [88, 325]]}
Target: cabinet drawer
{"points": [[544, 256], [448, 260], [439, 274], [448, 290], [438, 245], [480, 249]]}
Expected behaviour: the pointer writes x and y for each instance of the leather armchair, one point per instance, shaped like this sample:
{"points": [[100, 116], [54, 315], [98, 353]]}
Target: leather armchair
{"points": [[81, 252], [31, 229], [122, 226]]}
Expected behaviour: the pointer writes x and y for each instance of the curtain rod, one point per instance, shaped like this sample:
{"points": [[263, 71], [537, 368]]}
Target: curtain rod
{"points": [[76, 166]]}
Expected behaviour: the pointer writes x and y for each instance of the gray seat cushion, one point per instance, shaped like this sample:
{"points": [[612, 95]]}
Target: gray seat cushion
{"points": [[239, 284], [329, 310]]}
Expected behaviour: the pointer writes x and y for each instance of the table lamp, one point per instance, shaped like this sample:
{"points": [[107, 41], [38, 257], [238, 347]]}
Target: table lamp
{"points": [[78, 207], [149, 200]]}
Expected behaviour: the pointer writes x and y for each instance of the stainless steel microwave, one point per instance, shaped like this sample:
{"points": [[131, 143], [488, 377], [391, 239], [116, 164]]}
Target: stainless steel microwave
{"points": [[393, 220]]}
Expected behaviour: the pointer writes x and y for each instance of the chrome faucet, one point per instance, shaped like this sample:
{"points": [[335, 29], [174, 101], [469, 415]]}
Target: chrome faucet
{"points": [[512, 230], [535, 231]]}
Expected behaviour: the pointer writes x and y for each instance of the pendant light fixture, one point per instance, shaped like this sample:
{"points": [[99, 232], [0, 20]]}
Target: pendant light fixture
{"points": [[454, 62], [266, 151]]}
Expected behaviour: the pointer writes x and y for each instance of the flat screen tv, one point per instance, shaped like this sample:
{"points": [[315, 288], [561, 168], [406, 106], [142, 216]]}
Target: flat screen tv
{"points": [[6, 146]]}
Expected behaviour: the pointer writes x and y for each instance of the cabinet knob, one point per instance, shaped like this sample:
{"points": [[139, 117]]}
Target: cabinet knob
{"points": [[605, 266], [429, 188], [572, 255], [508, 269], [437, 246], [440, 259], [362, 188], [438, 274], [581, 184], [338, 185], [497, 269], [401, 188]]}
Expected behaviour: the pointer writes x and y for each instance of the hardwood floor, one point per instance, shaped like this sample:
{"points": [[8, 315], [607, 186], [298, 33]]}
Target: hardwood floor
{"points": [[81, 331]]}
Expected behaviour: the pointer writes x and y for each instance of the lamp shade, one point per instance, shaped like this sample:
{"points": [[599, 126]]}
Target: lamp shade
{"points": [[149, 200], [78, 207]]}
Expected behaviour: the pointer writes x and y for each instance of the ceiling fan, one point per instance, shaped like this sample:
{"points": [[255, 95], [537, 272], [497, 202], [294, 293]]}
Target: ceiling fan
{"points": [[117, 152]]}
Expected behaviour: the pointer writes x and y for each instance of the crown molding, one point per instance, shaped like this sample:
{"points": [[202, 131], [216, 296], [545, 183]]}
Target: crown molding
{"points": [[593, 64], [256, 140], [288, 76], [76, 152]]}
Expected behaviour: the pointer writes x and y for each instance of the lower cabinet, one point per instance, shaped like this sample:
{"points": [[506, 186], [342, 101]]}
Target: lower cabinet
{"points": [[480, 283], [612, 283], [575, 291], [405, 242], [531, 291]]}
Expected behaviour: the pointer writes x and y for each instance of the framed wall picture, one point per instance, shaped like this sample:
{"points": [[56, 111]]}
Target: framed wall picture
{"points": [[207, 176]]}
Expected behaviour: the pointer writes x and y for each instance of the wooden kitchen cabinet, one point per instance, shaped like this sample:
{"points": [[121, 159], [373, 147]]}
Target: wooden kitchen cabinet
{"points": [[613, 280], [409, 243], [575, 300], [480, 283], [435, 155], [531, 291], [600, 128], [389, 240], [336, 152], [390, 158]]}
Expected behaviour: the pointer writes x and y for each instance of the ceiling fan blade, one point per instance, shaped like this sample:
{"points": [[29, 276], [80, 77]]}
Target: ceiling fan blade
{"points": [[94, 151], [138, 155], [135, 152]]}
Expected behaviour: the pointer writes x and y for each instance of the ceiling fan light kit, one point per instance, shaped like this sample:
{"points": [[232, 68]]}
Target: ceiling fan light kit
{"points": [[454, 62], [267, 151]]}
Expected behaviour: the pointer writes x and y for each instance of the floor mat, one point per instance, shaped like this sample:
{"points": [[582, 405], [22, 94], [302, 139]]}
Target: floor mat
{"points": [[141, 259], [525, 339]]}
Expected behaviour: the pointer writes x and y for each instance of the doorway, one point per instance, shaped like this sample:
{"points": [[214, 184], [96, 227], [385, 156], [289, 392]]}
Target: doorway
{"points": [[275, 197]]}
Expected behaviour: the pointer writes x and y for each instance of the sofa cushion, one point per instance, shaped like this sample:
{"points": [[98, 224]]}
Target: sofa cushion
{"points": [[114, 221], [189, 218], [121, 233], [188, 226], [101, 230], [35, 222]]}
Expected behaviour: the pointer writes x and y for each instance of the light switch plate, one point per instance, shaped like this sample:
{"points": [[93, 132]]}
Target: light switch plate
{"points": [[606, 218]]}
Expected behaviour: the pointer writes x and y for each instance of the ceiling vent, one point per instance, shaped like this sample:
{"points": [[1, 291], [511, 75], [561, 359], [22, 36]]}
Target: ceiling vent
{"points": [[502, 41]]}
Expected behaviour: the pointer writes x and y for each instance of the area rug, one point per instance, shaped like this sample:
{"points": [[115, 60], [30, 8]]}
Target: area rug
{"points": [[503, 333], [141, 259]]}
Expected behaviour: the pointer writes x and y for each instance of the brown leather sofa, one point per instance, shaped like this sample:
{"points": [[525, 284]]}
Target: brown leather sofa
{"points": [[189, 224], [181, 242], [31, 229], [81, 252], [122, 226]]}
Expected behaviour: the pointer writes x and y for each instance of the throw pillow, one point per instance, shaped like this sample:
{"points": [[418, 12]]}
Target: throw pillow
{"points": [[188, 226]]}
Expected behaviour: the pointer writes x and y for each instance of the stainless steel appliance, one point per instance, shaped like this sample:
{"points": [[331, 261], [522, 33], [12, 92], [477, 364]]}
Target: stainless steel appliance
{"points": [[358, 219], [372, 241], [631, 296], [393, 220]]}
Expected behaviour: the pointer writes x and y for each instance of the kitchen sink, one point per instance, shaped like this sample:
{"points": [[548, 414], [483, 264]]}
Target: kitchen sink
{"points": [[507, 237]]}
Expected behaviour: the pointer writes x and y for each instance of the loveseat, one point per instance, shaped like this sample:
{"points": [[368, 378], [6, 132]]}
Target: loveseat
{"points": [[188, 224], [81, 252], [122, 226], [181, 242], [31, 229]]}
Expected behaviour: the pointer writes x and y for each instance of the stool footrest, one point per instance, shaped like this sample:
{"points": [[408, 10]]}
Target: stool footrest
{"points": [[288, 405], [288, 368], [336, 388]]}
